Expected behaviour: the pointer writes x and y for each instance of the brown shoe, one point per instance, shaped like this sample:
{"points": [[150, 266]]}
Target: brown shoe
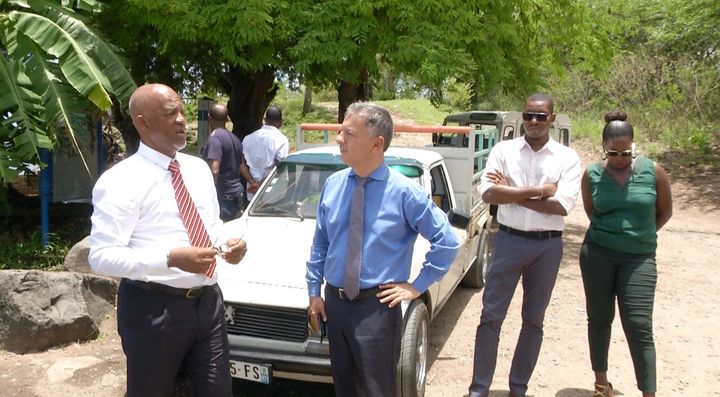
{"points": [[603, 390]]}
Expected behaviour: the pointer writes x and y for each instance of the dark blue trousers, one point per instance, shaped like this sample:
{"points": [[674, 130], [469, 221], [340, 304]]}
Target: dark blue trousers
{"points": [[537, 262], [364, 340], [164, 334]]}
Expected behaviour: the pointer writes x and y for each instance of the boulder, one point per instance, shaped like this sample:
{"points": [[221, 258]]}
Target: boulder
{"points": [[76, 259], [39, 310]]}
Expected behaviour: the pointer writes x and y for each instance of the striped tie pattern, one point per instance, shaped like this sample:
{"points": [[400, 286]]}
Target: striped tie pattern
{"points": [[191, 218], [356, 231]]}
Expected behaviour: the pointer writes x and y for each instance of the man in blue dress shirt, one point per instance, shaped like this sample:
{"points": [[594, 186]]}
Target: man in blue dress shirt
{"points": [[364, 330]]}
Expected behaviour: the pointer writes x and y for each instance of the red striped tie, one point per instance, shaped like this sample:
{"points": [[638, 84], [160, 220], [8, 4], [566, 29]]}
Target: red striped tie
{"points": [[191, 218]]}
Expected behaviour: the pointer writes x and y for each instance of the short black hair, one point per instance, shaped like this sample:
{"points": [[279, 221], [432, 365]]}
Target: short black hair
{"points": [[542, 97], [273, 114]]}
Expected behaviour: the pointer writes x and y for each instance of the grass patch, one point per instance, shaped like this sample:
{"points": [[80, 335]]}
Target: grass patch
{"points": [[20, 236], [421, 111]]}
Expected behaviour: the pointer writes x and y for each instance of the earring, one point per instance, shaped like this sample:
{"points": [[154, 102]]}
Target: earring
{"points": [[632, 148]]}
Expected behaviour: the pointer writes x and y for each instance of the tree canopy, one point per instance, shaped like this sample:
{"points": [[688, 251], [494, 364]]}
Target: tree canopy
{"points": [[243, 46]]}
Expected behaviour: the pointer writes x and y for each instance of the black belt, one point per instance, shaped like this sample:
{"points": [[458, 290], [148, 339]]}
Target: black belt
{"points": [[189, 293], [363, 294], [535, 235]]}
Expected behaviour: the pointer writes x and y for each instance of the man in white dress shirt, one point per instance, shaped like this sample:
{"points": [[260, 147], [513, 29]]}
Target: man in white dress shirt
{"points": [[535, 181], [170, 314], [264, 148]]}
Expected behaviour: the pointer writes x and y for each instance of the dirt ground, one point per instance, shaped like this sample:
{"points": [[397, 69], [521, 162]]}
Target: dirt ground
{"points": [[686, 321]]}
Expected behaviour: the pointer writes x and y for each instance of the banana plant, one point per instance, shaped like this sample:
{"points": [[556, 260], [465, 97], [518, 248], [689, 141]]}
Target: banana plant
{"points": [[54, 70]]}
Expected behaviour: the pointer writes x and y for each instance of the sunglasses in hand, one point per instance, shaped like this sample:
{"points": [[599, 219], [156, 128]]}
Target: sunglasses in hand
{"points": [[540, 117]]}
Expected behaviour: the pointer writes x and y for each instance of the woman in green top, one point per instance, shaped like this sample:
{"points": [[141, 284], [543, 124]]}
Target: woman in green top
{"points": [[627, 199]]}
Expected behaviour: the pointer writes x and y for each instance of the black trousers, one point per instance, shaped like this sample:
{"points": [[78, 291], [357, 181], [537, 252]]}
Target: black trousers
{"points": [[164, 334], [364, 340]]}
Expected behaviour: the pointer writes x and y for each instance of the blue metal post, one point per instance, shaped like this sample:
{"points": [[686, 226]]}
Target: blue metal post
{"points": [[46, 189], [100, 149]]}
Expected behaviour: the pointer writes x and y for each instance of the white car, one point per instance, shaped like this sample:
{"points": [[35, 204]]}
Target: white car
{"points": [[266, 295]]}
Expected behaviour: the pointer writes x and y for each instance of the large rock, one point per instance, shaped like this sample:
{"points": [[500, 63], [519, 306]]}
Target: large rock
{"points": [[76, 259], [39, 309]]}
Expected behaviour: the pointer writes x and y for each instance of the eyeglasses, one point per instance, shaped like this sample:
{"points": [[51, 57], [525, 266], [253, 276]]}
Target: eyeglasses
{"points": [[540, 117], [615, 153], [222, 249]]}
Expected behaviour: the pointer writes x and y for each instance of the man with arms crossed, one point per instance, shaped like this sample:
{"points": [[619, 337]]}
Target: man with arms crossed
{"points": [[155, 216], [369, 217], [535, 182]]}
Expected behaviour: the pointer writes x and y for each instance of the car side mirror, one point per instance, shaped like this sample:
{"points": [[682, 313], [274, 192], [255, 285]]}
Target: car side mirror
{"points": [[458, 220]]}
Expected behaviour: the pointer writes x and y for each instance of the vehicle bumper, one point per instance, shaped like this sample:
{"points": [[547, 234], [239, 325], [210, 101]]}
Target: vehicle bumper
{"points": [[307, 361]]}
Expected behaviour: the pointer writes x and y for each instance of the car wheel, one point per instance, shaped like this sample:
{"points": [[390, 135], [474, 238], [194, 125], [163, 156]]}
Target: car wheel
{"points": [[475, 277], [413, 365]]}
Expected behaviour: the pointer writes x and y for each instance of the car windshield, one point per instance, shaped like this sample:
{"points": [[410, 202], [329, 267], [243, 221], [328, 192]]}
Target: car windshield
{"points": [[294, 190]]}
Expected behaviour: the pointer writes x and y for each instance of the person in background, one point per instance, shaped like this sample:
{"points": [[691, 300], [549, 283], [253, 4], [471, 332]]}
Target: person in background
{"points": [[368, 219], [534, 180], [627, 199], [224, 153], [264, 148], [154, 220]]}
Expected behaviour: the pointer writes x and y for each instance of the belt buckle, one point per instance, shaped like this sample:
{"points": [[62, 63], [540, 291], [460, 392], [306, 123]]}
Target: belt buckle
{"points": [[192, 293], [341, 294]]}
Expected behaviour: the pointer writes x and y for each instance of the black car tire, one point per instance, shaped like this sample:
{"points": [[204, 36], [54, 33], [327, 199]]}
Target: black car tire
{"points": [[413, 363], [475, 277]]}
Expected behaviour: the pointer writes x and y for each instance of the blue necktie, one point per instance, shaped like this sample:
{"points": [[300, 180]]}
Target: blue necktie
{"points": [[356, 231]]}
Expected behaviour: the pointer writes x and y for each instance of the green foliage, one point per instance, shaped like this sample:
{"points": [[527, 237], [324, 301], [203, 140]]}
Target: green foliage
{"points": [[29, 254], [664, 74], [53, 70], [20, 246], [291, 104]]}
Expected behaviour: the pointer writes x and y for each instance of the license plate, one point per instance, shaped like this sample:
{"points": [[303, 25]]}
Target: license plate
{"points": [[250, 371]]}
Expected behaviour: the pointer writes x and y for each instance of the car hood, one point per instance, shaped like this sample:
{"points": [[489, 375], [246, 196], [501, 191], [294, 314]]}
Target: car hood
{"points": [[273, 269]]}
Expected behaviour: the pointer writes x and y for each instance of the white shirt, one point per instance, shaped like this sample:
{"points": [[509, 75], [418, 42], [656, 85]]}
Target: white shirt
{"points": [[136, 221], [263, 148], [522, 167]]}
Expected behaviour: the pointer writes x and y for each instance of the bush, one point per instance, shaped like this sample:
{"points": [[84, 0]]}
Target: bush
{"points": [[20, 237]]}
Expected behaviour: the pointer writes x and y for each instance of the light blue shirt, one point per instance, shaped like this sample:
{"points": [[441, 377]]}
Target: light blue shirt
{"points": [[396, 210]]}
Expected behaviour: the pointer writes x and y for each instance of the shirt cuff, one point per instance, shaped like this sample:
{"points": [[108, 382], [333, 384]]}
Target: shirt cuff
{"points": [[423, 281], [314, 289]]}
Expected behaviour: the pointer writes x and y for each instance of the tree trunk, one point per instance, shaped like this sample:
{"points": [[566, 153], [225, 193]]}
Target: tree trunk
{"points": [[250, 95], [123, 122], [307, 102], [349, 92]]}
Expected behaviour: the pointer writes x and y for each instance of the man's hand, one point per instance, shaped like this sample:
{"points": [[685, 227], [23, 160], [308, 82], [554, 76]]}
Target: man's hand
{"points": [[317, 308], [253, 186], [236, 250], [191, 259], [396, 293], [497, 178], [549, 190]]}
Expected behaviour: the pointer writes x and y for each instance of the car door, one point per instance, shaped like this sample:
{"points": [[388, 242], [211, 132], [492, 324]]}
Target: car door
{"points": [[443, 199]]}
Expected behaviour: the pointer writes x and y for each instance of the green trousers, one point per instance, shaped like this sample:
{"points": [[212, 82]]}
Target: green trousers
{"points": [[630, 278]]}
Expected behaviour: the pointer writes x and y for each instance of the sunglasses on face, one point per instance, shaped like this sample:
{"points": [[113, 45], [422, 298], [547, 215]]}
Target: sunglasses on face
{"points": [[615, 153], [540, 117]]}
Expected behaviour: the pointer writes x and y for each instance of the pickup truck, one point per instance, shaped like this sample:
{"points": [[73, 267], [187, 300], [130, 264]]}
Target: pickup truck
{"points": [[266, 298]]}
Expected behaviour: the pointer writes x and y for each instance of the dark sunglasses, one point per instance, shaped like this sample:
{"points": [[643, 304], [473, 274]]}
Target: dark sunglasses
{"points": [[541, 117], [615, 153]]}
